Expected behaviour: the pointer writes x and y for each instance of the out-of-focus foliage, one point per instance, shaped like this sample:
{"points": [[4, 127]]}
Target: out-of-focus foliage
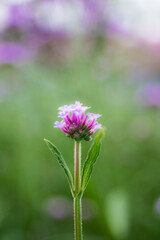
{"points": [[119, 77], [117, 214]]}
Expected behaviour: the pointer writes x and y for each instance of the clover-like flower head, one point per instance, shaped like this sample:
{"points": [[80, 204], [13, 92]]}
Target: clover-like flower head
{"points": [[75, 123]]}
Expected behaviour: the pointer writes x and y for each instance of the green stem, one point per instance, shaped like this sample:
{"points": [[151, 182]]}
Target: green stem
{"points": [[77, 198]]}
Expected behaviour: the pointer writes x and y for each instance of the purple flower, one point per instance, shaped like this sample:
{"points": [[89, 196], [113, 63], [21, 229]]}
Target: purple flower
{"points": [[14, 53], [115, 28], [21, 16], [58, 207], [94, 14], [66, 109], [58, 124], [151, 94], [157, 206], [75, 123]]}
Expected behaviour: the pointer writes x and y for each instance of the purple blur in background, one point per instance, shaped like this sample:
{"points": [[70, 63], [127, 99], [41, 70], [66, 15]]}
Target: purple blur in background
{"points": [[14, 53], [151, 94]]}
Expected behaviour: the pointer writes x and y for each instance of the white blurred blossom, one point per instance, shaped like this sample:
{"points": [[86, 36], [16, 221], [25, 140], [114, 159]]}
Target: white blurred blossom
{"points": [[59, 15]]}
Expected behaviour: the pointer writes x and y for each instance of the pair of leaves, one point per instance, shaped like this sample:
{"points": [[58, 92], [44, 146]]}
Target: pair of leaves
{"points": [[88, 165]]}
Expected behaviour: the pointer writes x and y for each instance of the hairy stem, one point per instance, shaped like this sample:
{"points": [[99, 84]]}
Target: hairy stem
{"points": [[77, 198]]}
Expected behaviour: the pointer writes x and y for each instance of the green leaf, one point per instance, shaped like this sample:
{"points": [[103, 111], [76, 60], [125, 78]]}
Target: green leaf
{"points": [[91, 159], [62, 162]]}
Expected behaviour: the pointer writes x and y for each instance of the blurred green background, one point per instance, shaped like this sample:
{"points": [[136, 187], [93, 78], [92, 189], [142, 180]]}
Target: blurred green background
{"points": [[119, 78]]}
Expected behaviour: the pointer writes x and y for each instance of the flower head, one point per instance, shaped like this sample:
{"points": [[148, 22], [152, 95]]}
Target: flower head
{"points": [[75, 123]]}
